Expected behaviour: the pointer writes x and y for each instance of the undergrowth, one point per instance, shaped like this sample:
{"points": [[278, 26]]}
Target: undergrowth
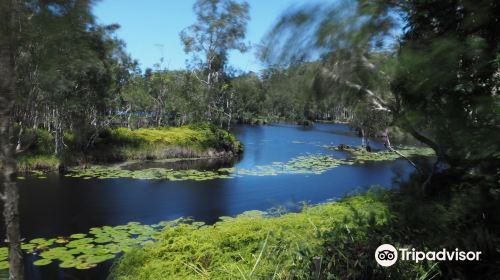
{"points": [[120, 144], [256, 246]]}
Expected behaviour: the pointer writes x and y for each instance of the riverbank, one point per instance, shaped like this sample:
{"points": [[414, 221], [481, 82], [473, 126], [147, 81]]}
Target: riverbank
{"points": [[122, 144], [334, 240], [249, 246], [316, 241]]}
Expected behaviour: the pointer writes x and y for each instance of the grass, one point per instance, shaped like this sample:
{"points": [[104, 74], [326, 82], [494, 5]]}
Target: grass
{"points": [[253, 245], [29, 162], [121, 144], [200, 140]]}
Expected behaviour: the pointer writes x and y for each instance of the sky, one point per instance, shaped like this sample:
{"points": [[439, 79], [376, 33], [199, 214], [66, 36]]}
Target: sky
{"points": [[150, 28]]}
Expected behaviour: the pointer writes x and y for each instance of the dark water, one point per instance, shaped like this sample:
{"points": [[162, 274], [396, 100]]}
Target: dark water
{"points": [[61, 206]]}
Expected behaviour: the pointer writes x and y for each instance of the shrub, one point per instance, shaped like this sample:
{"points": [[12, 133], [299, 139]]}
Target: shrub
{"points": [[250, 246]]}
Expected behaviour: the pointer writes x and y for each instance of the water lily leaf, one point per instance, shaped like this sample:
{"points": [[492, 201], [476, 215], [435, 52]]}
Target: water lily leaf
{"points": [[83, 266], [4, 264], [61, 240], [99, 258], [78, 235], [42, 262], [69, 263]]}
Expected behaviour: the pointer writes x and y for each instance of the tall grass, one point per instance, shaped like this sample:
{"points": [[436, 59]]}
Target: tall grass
{"points": [[254, 246], [121, 144]]}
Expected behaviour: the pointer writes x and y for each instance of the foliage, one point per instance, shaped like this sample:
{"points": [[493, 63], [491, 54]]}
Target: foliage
{"points": [[310, 164], [440, 86], [220, 27], [30, 162], [102, 172], [456, 104], [250, 246], [199, 138], [123, 144], [360, 155], [71, 77], [343, 235]]}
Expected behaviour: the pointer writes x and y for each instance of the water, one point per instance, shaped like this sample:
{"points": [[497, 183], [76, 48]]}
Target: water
{"points": [[62, 206]]}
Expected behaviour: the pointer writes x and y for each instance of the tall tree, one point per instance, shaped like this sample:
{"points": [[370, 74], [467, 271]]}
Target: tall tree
{"points": [[448, 79], [220, 28], [9, 32], [441, 82]]}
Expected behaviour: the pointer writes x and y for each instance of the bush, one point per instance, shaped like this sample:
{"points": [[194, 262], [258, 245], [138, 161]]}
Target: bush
{"points": [[250, 246]]}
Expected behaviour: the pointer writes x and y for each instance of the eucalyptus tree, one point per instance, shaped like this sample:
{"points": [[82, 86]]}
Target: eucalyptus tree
{"points": [[220, 28]]}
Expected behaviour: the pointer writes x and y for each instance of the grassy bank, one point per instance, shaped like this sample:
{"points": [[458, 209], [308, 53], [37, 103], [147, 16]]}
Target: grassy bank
{"points": [[334, 240], [121, 144], [256, 246]]}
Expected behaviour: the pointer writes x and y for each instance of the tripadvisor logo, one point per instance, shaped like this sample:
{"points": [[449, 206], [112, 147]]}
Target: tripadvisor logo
{"points": [[387, 255]]}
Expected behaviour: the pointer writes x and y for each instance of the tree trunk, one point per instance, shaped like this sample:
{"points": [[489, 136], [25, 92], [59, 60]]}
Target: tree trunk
{"points": [[19, 136], [10, 196], [363, 139], [230, 111], [129, 116], [388, 145]]}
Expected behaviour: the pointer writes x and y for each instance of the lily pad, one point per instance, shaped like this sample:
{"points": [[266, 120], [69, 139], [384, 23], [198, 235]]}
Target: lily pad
{"points": [[78, 235], [69, 263], [42, 262]]}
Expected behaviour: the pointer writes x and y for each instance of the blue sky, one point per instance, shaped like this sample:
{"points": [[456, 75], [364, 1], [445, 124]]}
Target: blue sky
{"points": [[151, 26]]}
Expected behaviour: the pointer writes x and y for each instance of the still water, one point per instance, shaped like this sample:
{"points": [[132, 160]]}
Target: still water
{"points": [[60, 206]]}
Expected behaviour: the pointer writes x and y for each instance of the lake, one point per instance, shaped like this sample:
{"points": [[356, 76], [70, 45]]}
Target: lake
{"points": [[60, 206]]}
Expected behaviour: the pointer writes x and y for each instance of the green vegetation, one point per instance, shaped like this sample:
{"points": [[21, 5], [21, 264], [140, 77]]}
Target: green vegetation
{"points": [[306, 164], [200, 140], [256, 246], [309, 164], [360, 154], [86, 250], [343, 235], [29, 162], [430, 68], [39, 154], [103, 172], [122, 144]]}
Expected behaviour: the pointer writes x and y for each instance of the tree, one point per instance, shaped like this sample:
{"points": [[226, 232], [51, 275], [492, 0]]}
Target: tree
{"points": [[440, 84], [448, 79], [9, 32], [220, 28], [72, 78]]}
